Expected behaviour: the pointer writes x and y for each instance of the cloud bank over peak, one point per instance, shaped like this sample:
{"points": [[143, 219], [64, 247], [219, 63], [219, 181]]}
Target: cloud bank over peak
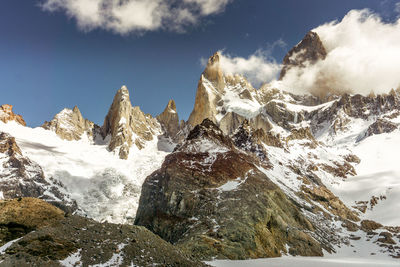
{"points": [[258, 68], [127, 16], [363, 57]]}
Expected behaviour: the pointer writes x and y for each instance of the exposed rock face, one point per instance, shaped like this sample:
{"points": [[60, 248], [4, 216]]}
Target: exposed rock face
{"points": [[214, 201], [6, 115], [342, 110], [169, 120], [127, 125], [84, 241], [378, 127], [308, 51], [70, 125], [217, 98], [206, 100], [21, 177]]}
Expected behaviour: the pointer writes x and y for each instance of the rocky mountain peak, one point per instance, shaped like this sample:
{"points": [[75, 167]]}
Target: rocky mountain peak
{"points": [[70, 124], [310, 49], [169, 119], [217, 93], [6, 115], [127, 125]]}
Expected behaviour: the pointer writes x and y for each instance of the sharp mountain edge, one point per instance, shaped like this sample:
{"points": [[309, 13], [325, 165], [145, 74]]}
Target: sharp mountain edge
{"points": [[252, 173]]}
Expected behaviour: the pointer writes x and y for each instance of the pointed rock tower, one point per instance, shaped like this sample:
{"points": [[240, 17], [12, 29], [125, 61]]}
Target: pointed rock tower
{"points": [[70, 124], [210, 86], [226, 99], [127, 125], [169, 119], [310, 49]]}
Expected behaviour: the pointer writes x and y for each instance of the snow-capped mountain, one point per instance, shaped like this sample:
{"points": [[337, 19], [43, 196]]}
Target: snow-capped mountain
{"points": [[252, 173]]}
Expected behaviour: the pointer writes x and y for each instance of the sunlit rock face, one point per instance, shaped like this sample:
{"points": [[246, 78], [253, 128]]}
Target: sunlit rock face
{"points": [[71, 125], [169, 120], [127, 125], [6, 115]]}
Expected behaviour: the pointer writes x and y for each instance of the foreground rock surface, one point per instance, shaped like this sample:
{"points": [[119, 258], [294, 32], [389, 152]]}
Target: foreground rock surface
{"points": [[20, 216], [213, 200], [74, 240]]}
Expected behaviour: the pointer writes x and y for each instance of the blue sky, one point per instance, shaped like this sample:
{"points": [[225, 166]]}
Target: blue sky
{"points": [[47, 62]]}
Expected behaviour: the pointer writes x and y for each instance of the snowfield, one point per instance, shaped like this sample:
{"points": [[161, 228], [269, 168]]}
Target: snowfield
{"points": [[105, 187]]}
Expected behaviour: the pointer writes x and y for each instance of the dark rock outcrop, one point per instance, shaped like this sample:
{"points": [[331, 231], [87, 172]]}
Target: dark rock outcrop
{"points": [[213, 200], [309, 50], [378, 127]]}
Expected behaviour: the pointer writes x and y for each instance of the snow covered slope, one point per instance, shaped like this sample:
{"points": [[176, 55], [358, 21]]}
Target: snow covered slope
{"points": [[104, 186]]}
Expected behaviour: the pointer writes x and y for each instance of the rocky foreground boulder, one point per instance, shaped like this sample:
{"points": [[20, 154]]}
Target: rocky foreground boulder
{"points": [[214, 200], [48, 237]]}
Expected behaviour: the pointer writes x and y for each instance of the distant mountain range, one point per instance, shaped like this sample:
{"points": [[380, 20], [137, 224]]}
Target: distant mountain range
{"points": [[253, 173]]}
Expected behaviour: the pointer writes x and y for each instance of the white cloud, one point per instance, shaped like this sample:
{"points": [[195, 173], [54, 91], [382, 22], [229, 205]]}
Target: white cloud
{"points": [[126, 16], [363, 56], [397, 7], [258, 68], [208, 7]]}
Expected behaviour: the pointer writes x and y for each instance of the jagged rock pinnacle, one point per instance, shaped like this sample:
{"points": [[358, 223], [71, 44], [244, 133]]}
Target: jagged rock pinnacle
{"points": [[310, 49], [169, 119], [6, 115], [123, 122]]}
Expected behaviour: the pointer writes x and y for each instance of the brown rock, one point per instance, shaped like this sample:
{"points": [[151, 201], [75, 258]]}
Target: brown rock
{"points": [[326, 198], [20, 216], [386, 237], [127, 125], [368, 225], [6, 115], [378, 127], [70, 124], [169, 119]]}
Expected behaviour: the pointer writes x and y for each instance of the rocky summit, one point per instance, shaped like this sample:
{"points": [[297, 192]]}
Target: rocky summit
{"points": [[252, 173], [6, 115], [308, 51], [70, 125], [127, 125]]}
